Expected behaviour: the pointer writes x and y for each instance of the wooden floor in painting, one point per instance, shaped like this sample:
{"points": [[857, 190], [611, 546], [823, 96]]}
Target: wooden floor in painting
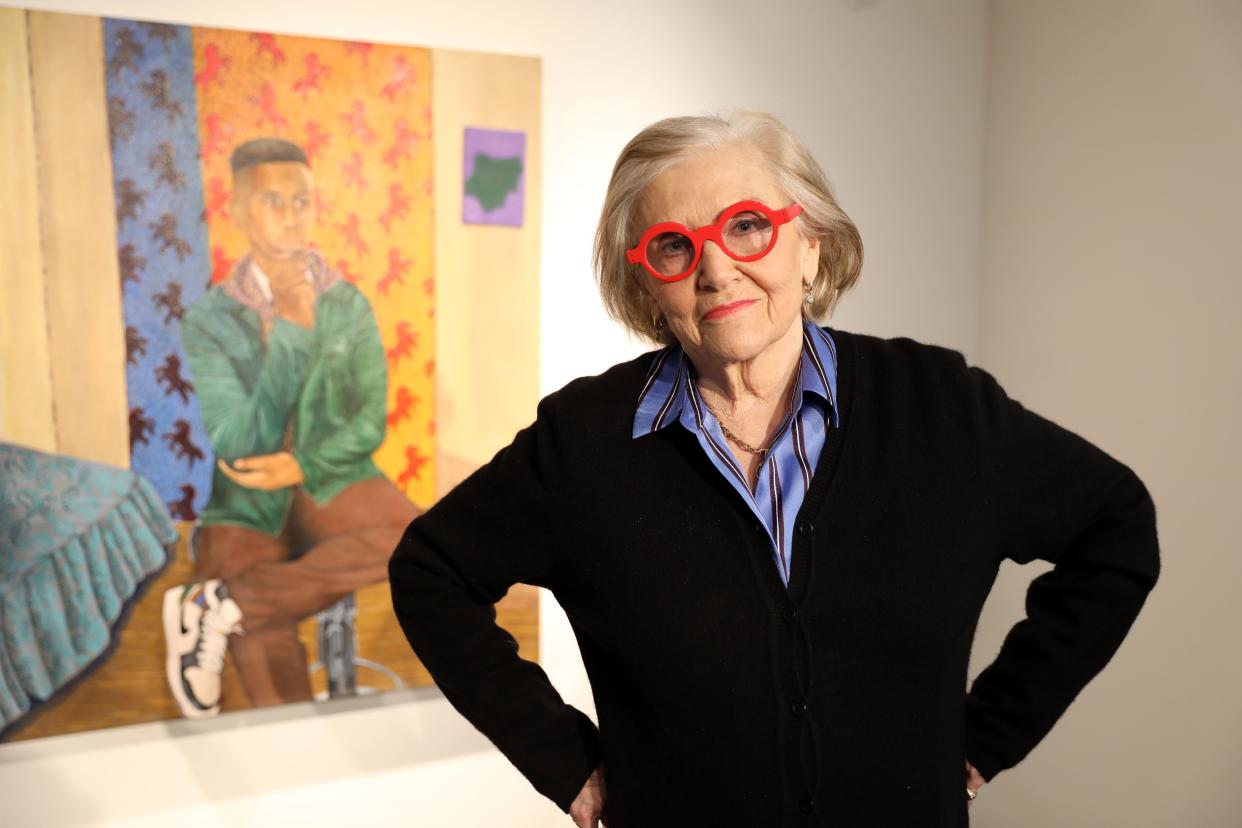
{"points": [[130, 688]]}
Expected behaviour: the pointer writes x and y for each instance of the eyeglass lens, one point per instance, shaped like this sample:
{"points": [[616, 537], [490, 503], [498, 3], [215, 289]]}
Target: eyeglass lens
{"points": [[744, 234]]}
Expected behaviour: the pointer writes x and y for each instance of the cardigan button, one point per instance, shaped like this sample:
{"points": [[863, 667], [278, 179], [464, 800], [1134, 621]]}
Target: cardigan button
{"points": [[789, 613], [805, 528], [797, 708], [806, 805]]}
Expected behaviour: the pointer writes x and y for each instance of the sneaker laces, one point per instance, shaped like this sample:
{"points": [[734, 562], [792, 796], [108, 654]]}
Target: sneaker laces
{"points": [[214, 641]]}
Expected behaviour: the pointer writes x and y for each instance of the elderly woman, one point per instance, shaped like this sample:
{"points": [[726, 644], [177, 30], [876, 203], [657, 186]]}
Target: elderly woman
{"points": [[772, 539]]}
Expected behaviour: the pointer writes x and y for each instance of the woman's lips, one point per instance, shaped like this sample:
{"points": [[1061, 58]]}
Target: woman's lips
{"points": [[724, 310]]}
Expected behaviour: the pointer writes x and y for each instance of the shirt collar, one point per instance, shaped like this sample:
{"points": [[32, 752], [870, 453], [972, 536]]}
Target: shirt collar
{"points": [[263, 284], [666, 394], [250, 286]]}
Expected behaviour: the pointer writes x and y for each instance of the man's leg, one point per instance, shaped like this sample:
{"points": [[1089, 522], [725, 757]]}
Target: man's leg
{"points": [[350, 541], [270, 659]]}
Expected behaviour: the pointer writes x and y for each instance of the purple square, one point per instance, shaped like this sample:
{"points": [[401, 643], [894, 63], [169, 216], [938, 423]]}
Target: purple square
{"points": [[494, 178]]}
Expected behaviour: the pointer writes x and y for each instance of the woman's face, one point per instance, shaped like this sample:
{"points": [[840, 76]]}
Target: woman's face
{"points": [[728, 311]]}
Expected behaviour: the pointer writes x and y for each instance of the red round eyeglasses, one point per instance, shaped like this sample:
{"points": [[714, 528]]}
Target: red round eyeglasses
{"points": [[746, 231]]}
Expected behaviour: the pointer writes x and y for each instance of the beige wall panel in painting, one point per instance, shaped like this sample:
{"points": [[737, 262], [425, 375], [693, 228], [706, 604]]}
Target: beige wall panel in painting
{"points": [[78, 222], [487, 277], [26, 413]]}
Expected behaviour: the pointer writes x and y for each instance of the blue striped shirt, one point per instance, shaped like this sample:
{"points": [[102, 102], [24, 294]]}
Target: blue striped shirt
{"points": [[671, 395]]}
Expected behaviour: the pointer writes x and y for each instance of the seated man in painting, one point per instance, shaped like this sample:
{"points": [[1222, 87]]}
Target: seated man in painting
{"points": [[292, 385]]}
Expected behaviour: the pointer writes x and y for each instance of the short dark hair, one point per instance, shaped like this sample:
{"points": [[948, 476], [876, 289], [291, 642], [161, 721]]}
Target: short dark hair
{"points": [[265, 151]]}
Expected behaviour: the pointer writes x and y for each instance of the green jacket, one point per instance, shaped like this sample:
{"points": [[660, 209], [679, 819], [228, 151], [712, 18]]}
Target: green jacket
{"points": [[331, 383]]}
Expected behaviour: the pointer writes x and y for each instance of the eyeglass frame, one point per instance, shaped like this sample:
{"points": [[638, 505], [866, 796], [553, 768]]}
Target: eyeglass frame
{"points": [[711, 232]]}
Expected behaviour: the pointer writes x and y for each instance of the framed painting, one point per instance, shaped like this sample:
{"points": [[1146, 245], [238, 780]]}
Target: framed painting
{"points": [[242, 348]]}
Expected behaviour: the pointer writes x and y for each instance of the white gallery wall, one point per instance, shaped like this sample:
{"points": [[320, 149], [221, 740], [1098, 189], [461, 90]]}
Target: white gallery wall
{"points": [[1110, 301], [1041, 185]]}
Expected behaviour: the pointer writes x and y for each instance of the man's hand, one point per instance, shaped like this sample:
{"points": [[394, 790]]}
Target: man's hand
{"points": [[974, 781], [266, 472], [292, 292], [587, 809], [297, 304]]}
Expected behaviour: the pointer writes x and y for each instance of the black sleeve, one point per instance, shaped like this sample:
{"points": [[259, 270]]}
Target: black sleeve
{"points": [[1057, 497], [497, 528]]}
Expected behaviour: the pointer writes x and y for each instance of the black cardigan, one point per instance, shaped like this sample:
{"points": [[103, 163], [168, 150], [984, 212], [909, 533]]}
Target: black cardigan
{"points": [[725, 699]]}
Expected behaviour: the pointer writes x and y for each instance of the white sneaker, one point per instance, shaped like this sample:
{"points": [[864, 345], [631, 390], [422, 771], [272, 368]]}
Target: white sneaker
{"points": [[198, 619]]}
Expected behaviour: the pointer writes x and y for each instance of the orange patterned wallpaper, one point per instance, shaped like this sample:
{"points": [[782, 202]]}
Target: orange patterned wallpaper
{"points": [[362, 113]]}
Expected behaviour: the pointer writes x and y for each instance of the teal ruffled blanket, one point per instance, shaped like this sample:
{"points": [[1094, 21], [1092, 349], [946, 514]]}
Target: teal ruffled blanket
{"points": [[77, 541]]}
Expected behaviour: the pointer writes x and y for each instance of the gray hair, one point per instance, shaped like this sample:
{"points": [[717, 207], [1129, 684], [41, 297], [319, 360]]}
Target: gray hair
{"points": [[662, 145]]}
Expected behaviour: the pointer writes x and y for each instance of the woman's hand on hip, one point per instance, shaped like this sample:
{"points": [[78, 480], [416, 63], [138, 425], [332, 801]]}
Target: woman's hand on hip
{"points": [[587, 809], [974, 781]]}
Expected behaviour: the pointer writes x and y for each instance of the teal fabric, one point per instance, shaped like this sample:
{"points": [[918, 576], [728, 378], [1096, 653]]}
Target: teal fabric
{"points": [[77, 540]]}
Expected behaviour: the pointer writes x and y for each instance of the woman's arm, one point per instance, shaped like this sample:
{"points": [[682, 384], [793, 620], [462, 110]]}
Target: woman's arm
{"points": [[498, 528], [1057, 497]]}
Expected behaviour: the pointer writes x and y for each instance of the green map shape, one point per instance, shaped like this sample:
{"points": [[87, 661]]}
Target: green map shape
{"points": [[493, 179]]}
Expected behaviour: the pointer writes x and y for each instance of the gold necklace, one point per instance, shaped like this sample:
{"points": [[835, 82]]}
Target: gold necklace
{"points": [[742, 444]]}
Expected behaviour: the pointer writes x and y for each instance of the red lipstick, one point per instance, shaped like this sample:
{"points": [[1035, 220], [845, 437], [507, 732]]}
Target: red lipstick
{"points": [[724, 310]]}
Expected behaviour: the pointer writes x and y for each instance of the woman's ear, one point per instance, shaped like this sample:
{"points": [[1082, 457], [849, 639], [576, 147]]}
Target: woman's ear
{"points": [[649, 299], [810, 262], [654, 312]]}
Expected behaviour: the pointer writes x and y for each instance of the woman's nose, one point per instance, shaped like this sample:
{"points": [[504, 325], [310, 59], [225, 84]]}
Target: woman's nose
{"points": [[716, 267]]}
